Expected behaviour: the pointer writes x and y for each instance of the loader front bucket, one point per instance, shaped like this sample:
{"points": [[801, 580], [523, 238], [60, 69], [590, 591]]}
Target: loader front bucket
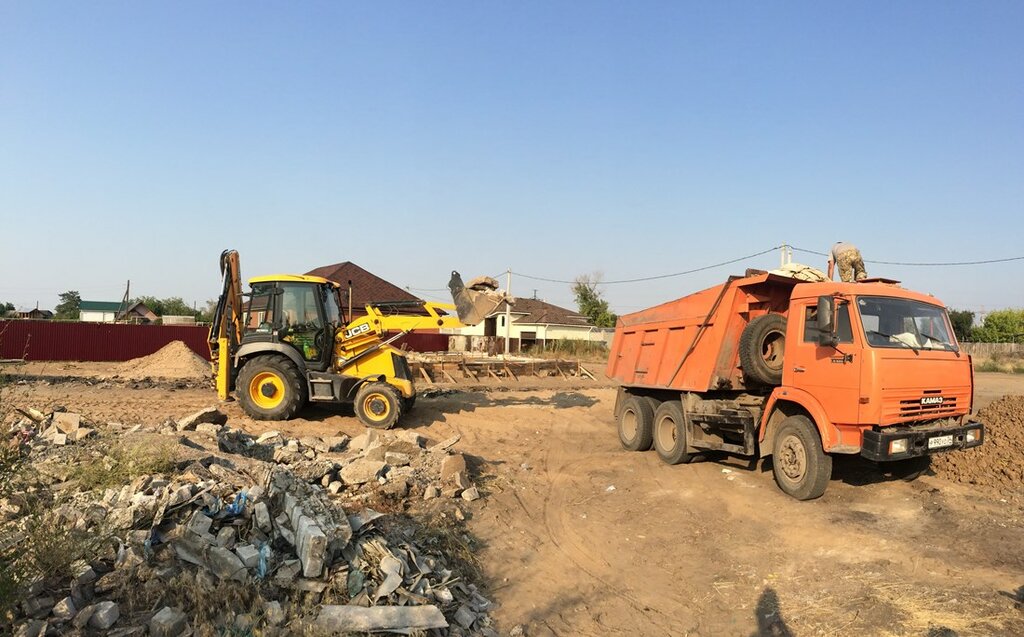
{"points": [[474, 302]]}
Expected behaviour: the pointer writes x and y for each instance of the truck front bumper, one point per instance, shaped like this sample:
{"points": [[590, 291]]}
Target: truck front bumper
{"points": [[899, 442]]}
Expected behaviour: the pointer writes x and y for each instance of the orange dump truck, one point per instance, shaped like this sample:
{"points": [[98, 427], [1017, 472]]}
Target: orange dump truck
{"points": [[768, 365]]}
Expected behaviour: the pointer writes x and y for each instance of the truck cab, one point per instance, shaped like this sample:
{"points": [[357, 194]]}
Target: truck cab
{"points": [[878, 361]]}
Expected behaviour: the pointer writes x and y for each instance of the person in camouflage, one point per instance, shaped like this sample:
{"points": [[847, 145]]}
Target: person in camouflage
{"points": [[847, 257]]}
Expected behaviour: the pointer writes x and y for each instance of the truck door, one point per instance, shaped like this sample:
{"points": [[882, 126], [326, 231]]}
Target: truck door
{"points": [[830, 374]]}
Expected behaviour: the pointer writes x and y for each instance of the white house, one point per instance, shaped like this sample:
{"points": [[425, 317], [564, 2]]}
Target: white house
{"points": [[98, 311], [533, 323]]}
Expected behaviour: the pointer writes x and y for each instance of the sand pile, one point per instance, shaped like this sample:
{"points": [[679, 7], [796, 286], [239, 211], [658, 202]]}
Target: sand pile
{"points": [[173, 361], [999, 462]]}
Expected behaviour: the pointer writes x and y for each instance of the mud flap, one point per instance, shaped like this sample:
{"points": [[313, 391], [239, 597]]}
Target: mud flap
{"points": [[474, 302]]}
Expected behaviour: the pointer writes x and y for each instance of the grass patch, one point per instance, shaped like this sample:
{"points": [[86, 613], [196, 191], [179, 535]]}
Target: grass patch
{"points": [[123, 463]]}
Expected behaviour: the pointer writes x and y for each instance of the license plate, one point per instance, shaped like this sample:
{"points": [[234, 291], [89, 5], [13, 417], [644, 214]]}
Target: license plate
{"points": [[940, 441]]}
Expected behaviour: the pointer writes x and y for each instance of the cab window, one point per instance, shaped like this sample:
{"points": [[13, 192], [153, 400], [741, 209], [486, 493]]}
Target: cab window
{"points": [[260, 309], [843, 328]]}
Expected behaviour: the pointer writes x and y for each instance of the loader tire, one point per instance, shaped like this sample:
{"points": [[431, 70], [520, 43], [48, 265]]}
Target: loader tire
{"points": [[271, 387], [801, 467], [670, 433], [379, 405], [635, 421], [762, 346]]}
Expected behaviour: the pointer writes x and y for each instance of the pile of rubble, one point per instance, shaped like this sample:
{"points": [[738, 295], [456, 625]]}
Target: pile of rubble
{"points": [[278, 527]]}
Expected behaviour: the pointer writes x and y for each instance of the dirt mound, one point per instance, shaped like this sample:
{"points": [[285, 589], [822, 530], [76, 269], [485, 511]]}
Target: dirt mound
{"points": [[999, 462], [173, 361]]}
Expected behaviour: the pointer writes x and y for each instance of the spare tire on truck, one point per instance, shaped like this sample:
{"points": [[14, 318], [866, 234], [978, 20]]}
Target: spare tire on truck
{"points": [[762, 345]]}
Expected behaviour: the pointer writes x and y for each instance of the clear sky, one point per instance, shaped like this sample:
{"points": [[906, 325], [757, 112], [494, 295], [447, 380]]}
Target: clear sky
{"points": [[139, 139]]}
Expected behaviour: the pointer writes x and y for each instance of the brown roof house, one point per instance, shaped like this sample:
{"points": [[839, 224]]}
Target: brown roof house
{"points": [[366, 288], [533, 323]]}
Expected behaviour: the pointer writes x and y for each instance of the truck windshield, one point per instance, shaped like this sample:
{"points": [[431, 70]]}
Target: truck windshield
{"points": [[902, 323]]}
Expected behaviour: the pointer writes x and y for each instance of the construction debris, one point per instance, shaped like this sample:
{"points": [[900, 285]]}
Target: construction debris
{"points": [[286, 522]]}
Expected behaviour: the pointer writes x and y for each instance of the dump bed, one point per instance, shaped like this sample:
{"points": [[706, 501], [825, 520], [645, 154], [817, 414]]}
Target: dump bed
{"points": [[692, 343]]}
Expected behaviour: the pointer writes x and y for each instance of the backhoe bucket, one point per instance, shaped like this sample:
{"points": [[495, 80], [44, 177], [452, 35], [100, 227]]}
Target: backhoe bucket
{"points": [[475, 301]]}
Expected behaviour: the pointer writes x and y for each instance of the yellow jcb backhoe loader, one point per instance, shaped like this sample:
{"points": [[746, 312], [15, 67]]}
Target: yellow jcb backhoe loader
{"points": [[291, 342]]}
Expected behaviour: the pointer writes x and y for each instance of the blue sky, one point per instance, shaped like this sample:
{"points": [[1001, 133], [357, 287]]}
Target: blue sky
{"points": [[138, 140]]}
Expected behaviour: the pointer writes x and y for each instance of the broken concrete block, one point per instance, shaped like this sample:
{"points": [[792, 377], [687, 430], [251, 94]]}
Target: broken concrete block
{"points": [[396, 488], [169, 622], [64, 610], [31, 628], [288, 571], [249, 554], [361, 471], [465, 616], [59, 439], [396, 459], [226, 564], [81, 434], [203, 416], [209, 429], [226, 537], [105, 615], [357, 619], [446, 444], [334, 487], [37, 607], [336, 443], [471, 494], [81, 620], [451, 492], [82, 572], [431, 492], [67, 422], [461, 480], [311, 546], [365, 441], [261, 514], [453, 464], [270, 438]]}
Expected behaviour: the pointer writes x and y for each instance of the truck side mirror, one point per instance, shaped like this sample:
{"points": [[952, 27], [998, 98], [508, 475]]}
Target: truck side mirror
{"points": [[826, 325]]}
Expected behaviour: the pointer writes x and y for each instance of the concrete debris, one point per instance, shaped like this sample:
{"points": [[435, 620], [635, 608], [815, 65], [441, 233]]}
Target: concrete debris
{"points": [[261, 512], [169, 622], [209, 415], [346, 619]]}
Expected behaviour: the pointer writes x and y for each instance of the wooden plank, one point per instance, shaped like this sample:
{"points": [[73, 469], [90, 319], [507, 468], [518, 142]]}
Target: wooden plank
{"points": [[491, 373], [469, 372], [509, 371], [448, 376], [426, 376], [586, 372], [558, 367]]}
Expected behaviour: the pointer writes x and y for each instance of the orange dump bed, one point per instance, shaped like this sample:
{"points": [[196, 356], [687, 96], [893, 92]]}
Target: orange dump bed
{"points": [[691, 344]]}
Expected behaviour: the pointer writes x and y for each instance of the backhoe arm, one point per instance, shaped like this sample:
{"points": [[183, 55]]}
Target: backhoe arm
{"points": [[226, 329]]}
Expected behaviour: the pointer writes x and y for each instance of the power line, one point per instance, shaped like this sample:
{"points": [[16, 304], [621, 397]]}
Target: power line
{"points": [[659, 276], [936, 264]]}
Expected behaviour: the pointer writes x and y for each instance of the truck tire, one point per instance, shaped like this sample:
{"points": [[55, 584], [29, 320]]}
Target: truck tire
{"points": [[670, 433], [802, 468], [762, 346], [635, 420], [271, 387], [378, 405]]}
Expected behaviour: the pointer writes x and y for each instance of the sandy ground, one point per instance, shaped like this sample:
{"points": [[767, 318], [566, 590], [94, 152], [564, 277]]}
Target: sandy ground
{"points": [[580, 537]]}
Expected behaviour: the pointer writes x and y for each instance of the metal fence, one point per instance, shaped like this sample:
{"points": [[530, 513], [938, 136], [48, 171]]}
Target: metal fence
{"points": [[74, 341]]}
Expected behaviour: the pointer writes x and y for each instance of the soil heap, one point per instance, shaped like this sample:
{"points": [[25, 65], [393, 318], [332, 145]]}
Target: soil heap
{"points": [[173, 361], [999, 462]]}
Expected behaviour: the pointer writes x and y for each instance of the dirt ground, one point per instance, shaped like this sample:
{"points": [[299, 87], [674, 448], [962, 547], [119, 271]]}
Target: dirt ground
{"points": [[580, 537]]}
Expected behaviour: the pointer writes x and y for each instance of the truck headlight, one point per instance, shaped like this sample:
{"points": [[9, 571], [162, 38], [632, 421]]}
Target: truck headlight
{"points": [[898, 446], [972, 435]]}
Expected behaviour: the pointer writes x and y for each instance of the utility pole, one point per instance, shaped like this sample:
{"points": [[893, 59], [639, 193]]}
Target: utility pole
{"points": [[508, 311]]}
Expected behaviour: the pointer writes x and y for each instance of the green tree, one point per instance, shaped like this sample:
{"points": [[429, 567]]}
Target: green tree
{"points": [[6, 308], [69, 305], [205, 315], [589, 301], [1001, 326], [963, 323], [171, 306]]}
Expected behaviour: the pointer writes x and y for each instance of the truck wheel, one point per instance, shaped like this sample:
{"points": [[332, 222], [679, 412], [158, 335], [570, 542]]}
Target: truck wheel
{"points": [[801, 467], [378, 405], [670, 433], [635, 420], [271, 388], [762, 345]]}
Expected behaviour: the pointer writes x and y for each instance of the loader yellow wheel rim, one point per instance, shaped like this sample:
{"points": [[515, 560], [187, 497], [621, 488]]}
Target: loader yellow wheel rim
{"points": [[266, 390], [376, 406]]}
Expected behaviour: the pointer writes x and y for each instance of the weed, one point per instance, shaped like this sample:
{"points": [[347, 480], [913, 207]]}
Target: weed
{"points": [[122, 463]]}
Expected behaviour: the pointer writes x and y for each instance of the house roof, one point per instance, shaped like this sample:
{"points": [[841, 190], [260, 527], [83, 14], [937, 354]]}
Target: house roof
{"points": [[366, 286], [99, 306], [535, 311]]}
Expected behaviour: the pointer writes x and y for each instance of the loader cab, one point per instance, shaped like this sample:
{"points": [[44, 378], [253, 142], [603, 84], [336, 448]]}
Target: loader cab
{"points": [[301, 312]]}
